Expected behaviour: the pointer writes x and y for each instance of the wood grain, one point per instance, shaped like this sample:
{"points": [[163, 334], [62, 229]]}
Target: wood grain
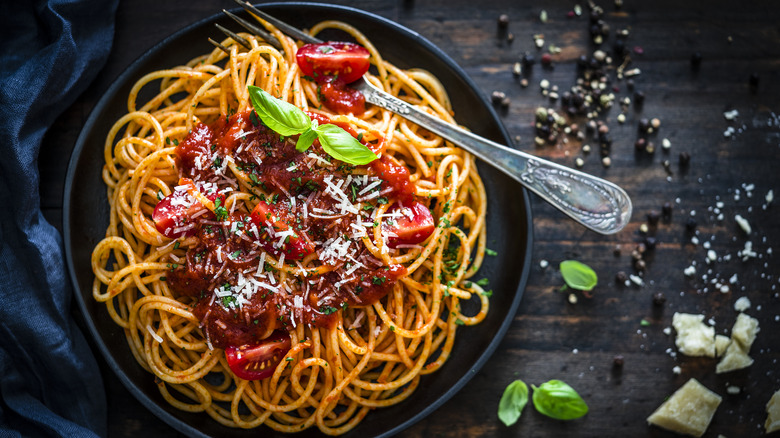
{"points": [[550, 337]]}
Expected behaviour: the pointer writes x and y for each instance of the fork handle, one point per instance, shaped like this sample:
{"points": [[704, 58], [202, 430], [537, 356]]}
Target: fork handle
{"points": [[594, 202]]}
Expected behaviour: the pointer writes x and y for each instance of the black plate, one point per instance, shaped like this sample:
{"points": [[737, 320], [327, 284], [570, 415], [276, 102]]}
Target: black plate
{"points": [[509, 219]]}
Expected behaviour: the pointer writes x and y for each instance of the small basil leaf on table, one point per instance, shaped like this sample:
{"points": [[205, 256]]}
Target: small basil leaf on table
{"points": [[558, 400], [512, 402], [578, 275], [282, 117], [341, 145]]}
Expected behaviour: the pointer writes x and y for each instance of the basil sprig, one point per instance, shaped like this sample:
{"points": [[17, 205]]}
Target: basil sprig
{"points": [[287, 119], [578, 275], [558, 400], [512, 402]]}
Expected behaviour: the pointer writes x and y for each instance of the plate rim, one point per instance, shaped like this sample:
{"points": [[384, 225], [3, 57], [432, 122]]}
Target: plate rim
{"points": [[129, 71]]}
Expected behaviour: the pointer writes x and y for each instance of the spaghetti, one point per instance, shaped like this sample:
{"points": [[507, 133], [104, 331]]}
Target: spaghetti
{"points": [[345, 280]]}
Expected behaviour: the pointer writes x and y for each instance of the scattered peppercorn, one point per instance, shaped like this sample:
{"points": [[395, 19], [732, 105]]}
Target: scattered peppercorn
{"points": [[616, 251], [503, 21], [621, 277], [650, 242], [666, 210], [640, 265], [643, 125], [753, 81], [618, 361], [652, 217], [690, 224], [696, 61], [639, 98], [497, 97], [546, 60], [640, 144], [685, 159], [659, 299]]}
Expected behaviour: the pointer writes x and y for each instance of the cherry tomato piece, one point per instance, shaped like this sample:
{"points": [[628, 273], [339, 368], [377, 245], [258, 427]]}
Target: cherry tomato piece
{"points": [[347, 61], [294, 247], [173, 215], [412, 226], [257, 362]]}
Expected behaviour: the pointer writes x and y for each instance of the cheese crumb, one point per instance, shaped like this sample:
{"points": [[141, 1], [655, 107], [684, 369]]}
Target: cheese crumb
{"points": [[743, 223], [742, 304], [688, 411]]}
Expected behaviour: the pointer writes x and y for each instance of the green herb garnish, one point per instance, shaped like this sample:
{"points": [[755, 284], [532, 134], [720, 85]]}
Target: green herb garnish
{"points": [[558, 400], [512, 402], [578, 275], [287, 119]]}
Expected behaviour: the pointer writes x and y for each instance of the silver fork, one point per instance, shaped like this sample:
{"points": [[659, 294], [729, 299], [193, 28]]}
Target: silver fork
{"points": [[593, 202]]}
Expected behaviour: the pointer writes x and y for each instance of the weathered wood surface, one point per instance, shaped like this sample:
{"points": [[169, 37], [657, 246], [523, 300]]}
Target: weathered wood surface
{"points": [[551, 338]]}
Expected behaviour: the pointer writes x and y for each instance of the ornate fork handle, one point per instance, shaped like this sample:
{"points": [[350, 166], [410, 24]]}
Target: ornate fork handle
{"points": [[594, 202]]}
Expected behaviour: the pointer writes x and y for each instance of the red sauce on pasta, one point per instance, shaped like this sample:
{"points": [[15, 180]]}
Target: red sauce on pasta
{"points": [[312, 206]]}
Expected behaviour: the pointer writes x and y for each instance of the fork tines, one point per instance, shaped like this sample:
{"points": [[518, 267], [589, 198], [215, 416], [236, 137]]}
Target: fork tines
{"points": [[281, 25], [270, 39]]}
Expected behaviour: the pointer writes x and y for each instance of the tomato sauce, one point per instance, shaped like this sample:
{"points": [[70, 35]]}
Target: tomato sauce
{"points": [[309, 200]]}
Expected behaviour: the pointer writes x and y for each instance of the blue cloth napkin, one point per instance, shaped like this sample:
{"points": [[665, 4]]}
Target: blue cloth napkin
{"points": [[50, 384]]}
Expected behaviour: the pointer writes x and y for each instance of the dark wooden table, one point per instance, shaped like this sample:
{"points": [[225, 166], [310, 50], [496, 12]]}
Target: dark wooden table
{"points": [[550, 337]]}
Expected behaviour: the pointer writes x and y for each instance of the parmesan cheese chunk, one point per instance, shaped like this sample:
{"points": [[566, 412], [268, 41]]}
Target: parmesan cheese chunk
{"points": [[694, 338], [773, 413], [721, 343], [745, 330], [742, 336], [735, 358], [688, 411]]}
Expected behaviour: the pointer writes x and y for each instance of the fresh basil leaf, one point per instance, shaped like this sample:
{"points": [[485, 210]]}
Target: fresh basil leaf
{"points": [[578, 275], [512, 402], [282, 117], [305, 140], [558, 400], [341, 145]]}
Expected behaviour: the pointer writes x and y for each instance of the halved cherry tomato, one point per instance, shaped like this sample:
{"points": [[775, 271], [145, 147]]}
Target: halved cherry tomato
{"points": [[256, 362], [174, 212], [348, 61], [412, 226], [294, 247], [396, 176]]}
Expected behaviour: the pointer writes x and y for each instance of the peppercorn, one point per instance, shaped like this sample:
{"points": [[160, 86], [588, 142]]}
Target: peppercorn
{"points": [[666, 210], [639, 98], [503, 21], [659, 299], [690, 224], [618, 361], [546, 60], [753, 81], [650, 148], [621, 277], [640, 144], [650, 242], [685, 159], [644, 125], [696, 61], [497, 96], [652, 217], [640, 265], [641, 248], [616, 251], [505, 102], [528, 60]]}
